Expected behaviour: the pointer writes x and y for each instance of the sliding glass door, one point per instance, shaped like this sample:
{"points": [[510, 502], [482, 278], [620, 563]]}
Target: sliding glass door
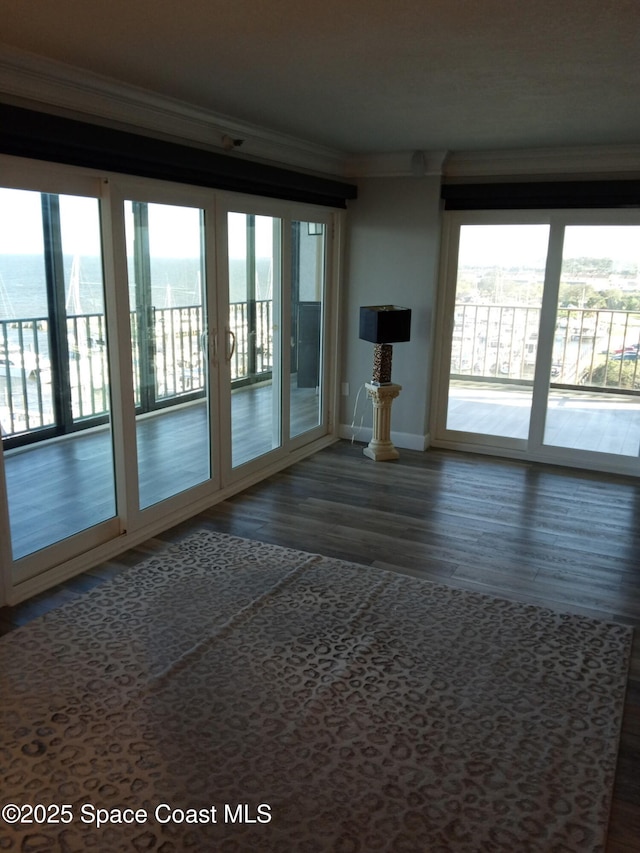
{"points": [[593, 403], [252, 336], [541, 359], [496, 318], [159, 344], [273, 343], [55, 400], [308, 324], [168, 316]]}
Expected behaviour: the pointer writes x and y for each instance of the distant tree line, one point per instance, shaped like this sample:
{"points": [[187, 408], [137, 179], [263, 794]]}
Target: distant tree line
{"points": [[596, 267], [616, 374], [502, 287], [586, 296]]}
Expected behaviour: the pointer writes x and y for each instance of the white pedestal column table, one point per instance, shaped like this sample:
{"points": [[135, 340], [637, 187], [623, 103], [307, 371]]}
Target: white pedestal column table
{"points": [[380, 448]]}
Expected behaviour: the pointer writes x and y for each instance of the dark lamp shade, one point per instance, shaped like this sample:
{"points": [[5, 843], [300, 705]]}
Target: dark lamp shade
{"points": [[385, 324]]}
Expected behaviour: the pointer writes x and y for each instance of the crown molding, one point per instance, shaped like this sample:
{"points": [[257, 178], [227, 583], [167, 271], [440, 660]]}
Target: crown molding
{"points": [[54, 87], [398, 164], [43, 84], [607, 161]]}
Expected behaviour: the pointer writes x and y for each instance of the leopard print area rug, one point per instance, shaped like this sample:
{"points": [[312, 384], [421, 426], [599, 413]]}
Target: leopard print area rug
{"points": [[230, 696]]}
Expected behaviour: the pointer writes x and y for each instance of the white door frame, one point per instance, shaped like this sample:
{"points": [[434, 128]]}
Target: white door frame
{"points": [[532, 448]]}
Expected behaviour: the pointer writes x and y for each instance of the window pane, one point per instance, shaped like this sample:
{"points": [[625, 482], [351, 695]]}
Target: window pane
{"points": [[594, 399], [253, 347], [307, 321], [55, 375], [499, 287], [168, 323], [26, 401], [84, 306]]}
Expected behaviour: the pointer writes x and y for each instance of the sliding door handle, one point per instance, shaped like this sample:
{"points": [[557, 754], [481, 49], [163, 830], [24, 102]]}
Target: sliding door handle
{"points": [[209, 346], [232, 348], [214, 348]]}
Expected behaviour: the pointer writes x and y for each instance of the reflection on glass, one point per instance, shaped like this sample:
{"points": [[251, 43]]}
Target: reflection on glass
{"points": [[168, 323], [253, 341], [495, 336], [594, 398], [307, 320], [54, 375]]}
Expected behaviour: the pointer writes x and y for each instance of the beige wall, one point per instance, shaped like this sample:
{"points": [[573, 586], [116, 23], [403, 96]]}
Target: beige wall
{"points": [[393, 231]]}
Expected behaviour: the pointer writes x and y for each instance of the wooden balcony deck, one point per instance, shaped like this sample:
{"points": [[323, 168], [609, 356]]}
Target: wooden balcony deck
{"points": [[578, 420], [59, 487]]}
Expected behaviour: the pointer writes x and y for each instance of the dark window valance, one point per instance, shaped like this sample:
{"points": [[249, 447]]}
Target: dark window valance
{"points": [[28, 133], [542, 195]]}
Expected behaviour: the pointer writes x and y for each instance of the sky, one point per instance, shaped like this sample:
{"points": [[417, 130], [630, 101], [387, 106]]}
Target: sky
{"points": [[174, 231], [526, 245]]}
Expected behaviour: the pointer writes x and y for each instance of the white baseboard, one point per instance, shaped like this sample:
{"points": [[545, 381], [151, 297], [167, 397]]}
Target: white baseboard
{"points": [[406, 440]]}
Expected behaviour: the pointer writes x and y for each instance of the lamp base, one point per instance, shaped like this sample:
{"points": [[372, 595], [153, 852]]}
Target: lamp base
{"points": [[381, 448], [382, 357], [381, 454]]}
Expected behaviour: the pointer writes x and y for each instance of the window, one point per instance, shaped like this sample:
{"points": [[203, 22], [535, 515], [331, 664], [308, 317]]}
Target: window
{"points": [[160, 343], [542, 357]]}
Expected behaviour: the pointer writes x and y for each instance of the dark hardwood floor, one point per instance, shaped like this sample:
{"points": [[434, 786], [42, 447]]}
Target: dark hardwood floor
{"points": [[554, 537]]}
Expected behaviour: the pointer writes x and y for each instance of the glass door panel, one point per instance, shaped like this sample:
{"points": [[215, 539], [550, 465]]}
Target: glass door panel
{"points": [[165, 259], [25, 405], [54, 376], [253, 339], [85, 311], [307, 325], [499, 285], [594, 396]]}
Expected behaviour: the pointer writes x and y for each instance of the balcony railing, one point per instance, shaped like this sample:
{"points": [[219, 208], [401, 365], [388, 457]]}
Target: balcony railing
{"points": [[592, 347], [27, 384]]}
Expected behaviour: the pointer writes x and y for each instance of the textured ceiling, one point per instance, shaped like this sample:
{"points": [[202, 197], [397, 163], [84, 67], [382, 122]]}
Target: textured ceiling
{"points": [[366, 76]]}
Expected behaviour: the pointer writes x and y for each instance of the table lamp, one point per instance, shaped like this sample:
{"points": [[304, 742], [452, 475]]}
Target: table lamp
{"points": [[383, 325]]}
